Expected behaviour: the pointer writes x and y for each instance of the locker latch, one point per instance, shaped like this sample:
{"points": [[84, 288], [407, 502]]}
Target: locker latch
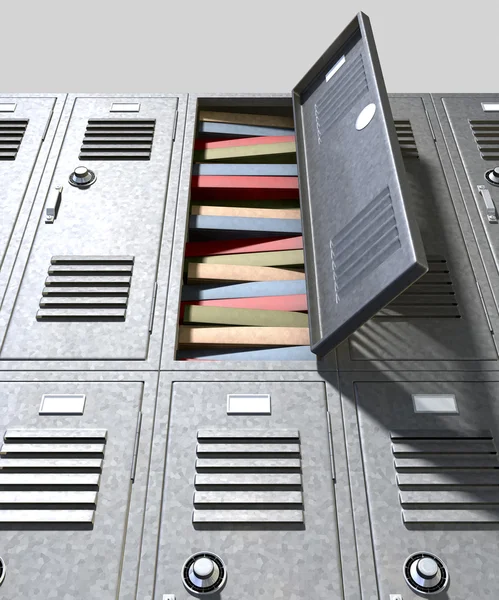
{"points": [[52, 205], [489, 204]]}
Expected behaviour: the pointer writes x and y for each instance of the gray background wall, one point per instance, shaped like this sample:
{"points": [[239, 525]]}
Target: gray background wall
{"points": [[238, 46]]}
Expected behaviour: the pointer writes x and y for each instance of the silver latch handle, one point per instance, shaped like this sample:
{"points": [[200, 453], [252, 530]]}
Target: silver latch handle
{"points": [[489, 204], [53, 203]]}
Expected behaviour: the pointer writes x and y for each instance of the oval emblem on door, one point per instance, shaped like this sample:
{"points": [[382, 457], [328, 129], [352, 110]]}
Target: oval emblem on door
{"points": [[365, 117]]}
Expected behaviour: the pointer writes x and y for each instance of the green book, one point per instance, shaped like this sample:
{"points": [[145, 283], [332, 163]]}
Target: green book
{"points": [[280, 152], [288, 258], [216, 315]]}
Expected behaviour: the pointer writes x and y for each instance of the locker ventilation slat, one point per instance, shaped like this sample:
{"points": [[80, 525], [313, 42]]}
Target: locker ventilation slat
{"points": [[447, 476], [86, 288], [118, 139], [50, 476], [406, 139], [248, 477], [431, 297], [364, 244], [346, 88], [11, 135], [487, 138]]}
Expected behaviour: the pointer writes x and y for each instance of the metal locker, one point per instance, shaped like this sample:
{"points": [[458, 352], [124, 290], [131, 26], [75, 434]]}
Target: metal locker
{"points": [[474, 122], [248, 484], [24, 123], [430, 462], [65, 462], [88, 288], [441, 317]]}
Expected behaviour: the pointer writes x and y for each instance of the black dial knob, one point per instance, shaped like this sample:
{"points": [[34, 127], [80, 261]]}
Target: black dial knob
{"points": [[492, 176], [82, 177]]}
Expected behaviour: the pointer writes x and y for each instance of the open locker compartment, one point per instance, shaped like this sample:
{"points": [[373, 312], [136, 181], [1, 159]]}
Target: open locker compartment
{"points": [[25, 139], [442, 318], [424, 471], [88, 289], [351, 271], [248, 479], [68, 509]]}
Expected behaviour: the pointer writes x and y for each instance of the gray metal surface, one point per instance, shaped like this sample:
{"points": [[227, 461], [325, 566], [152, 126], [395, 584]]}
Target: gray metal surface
{"points": [[362, 247], [121, 214], [450, 510], [441, 318]]}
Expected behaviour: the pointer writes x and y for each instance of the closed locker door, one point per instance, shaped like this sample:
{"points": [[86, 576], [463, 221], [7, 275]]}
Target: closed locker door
{"points": [[429, 451], [474, 121], [440, 316], [65, 487], [88, 286], [23, 123], [248, 485]]}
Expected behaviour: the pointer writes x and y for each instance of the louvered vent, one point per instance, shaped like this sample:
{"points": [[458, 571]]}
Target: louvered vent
{"points": [[406, 139], [447, 476], [431, 297], [11, 135], [86, 288], [364, 244], [343, 92], [487, 138], [50, 476], [245, 476], [118, 139]]}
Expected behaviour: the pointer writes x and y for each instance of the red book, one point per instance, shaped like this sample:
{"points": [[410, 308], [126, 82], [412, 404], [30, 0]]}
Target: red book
{"points": [[238, 182], [294, 303], [244, 246], [202, 144]]}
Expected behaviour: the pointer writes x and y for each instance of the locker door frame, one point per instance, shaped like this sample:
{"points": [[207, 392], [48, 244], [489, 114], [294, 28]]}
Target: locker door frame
{"points": [[158, 302]]}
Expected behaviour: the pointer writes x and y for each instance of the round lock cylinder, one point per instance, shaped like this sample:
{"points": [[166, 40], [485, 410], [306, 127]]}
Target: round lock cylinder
{"points": [[82, 177], [492, 176], [2, 570], [425, 573], [203, 574]]}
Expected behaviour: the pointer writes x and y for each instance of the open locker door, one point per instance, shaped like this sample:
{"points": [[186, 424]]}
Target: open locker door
{"points": [[362, 248]]}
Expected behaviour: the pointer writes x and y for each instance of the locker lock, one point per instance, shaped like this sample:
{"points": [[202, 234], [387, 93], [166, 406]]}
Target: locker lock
{"points": [[203, 574], [2, 570], [425, 573], [492, 176], [82, 177]]}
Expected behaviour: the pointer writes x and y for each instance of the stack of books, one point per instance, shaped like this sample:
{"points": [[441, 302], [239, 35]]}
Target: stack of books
{"points": [[244, 294]]}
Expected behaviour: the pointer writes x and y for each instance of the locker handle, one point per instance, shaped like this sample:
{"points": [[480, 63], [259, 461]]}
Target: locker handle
{"points": [[489, 204], [52, 205]]}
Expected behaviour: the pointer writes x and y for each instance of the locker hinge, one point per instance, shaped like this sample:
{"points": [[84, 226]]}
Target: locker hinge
{"points": [[431, 126], [153, 306], [136, 447], [175, 125], [484, 307], [331, 453], [47, 125]]}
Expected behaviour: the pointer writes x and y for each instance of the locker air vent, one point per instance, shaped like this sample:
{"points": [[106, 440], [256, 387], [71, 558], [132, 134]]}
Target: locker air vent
{"points": [[431, 297], [364, 244], [248, 477], [345, 89], [118, 139], [11, 134], [50, 477], [406, 139], [447, 476], [86, 288], [487, 138]]}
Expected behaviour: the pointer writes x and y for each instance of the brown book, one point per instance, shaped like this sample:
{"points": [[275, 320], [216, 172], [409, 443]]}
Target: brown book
{"points": [[210, 272], [244, 336], [241, 211], [217, 315], [214, 116]]}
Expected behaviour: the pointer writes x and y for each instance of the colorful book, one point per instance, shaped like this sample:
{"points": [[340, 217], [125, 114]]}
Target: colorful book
{"points": [[286, 258], [204, 272], [296, 303], [235, 130], [217, 247], [243, 336], [241, 211], [251, 170], [243, 290], [246, 119], [205, 144], [215, 315], [244, 224], [236, 183]]}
